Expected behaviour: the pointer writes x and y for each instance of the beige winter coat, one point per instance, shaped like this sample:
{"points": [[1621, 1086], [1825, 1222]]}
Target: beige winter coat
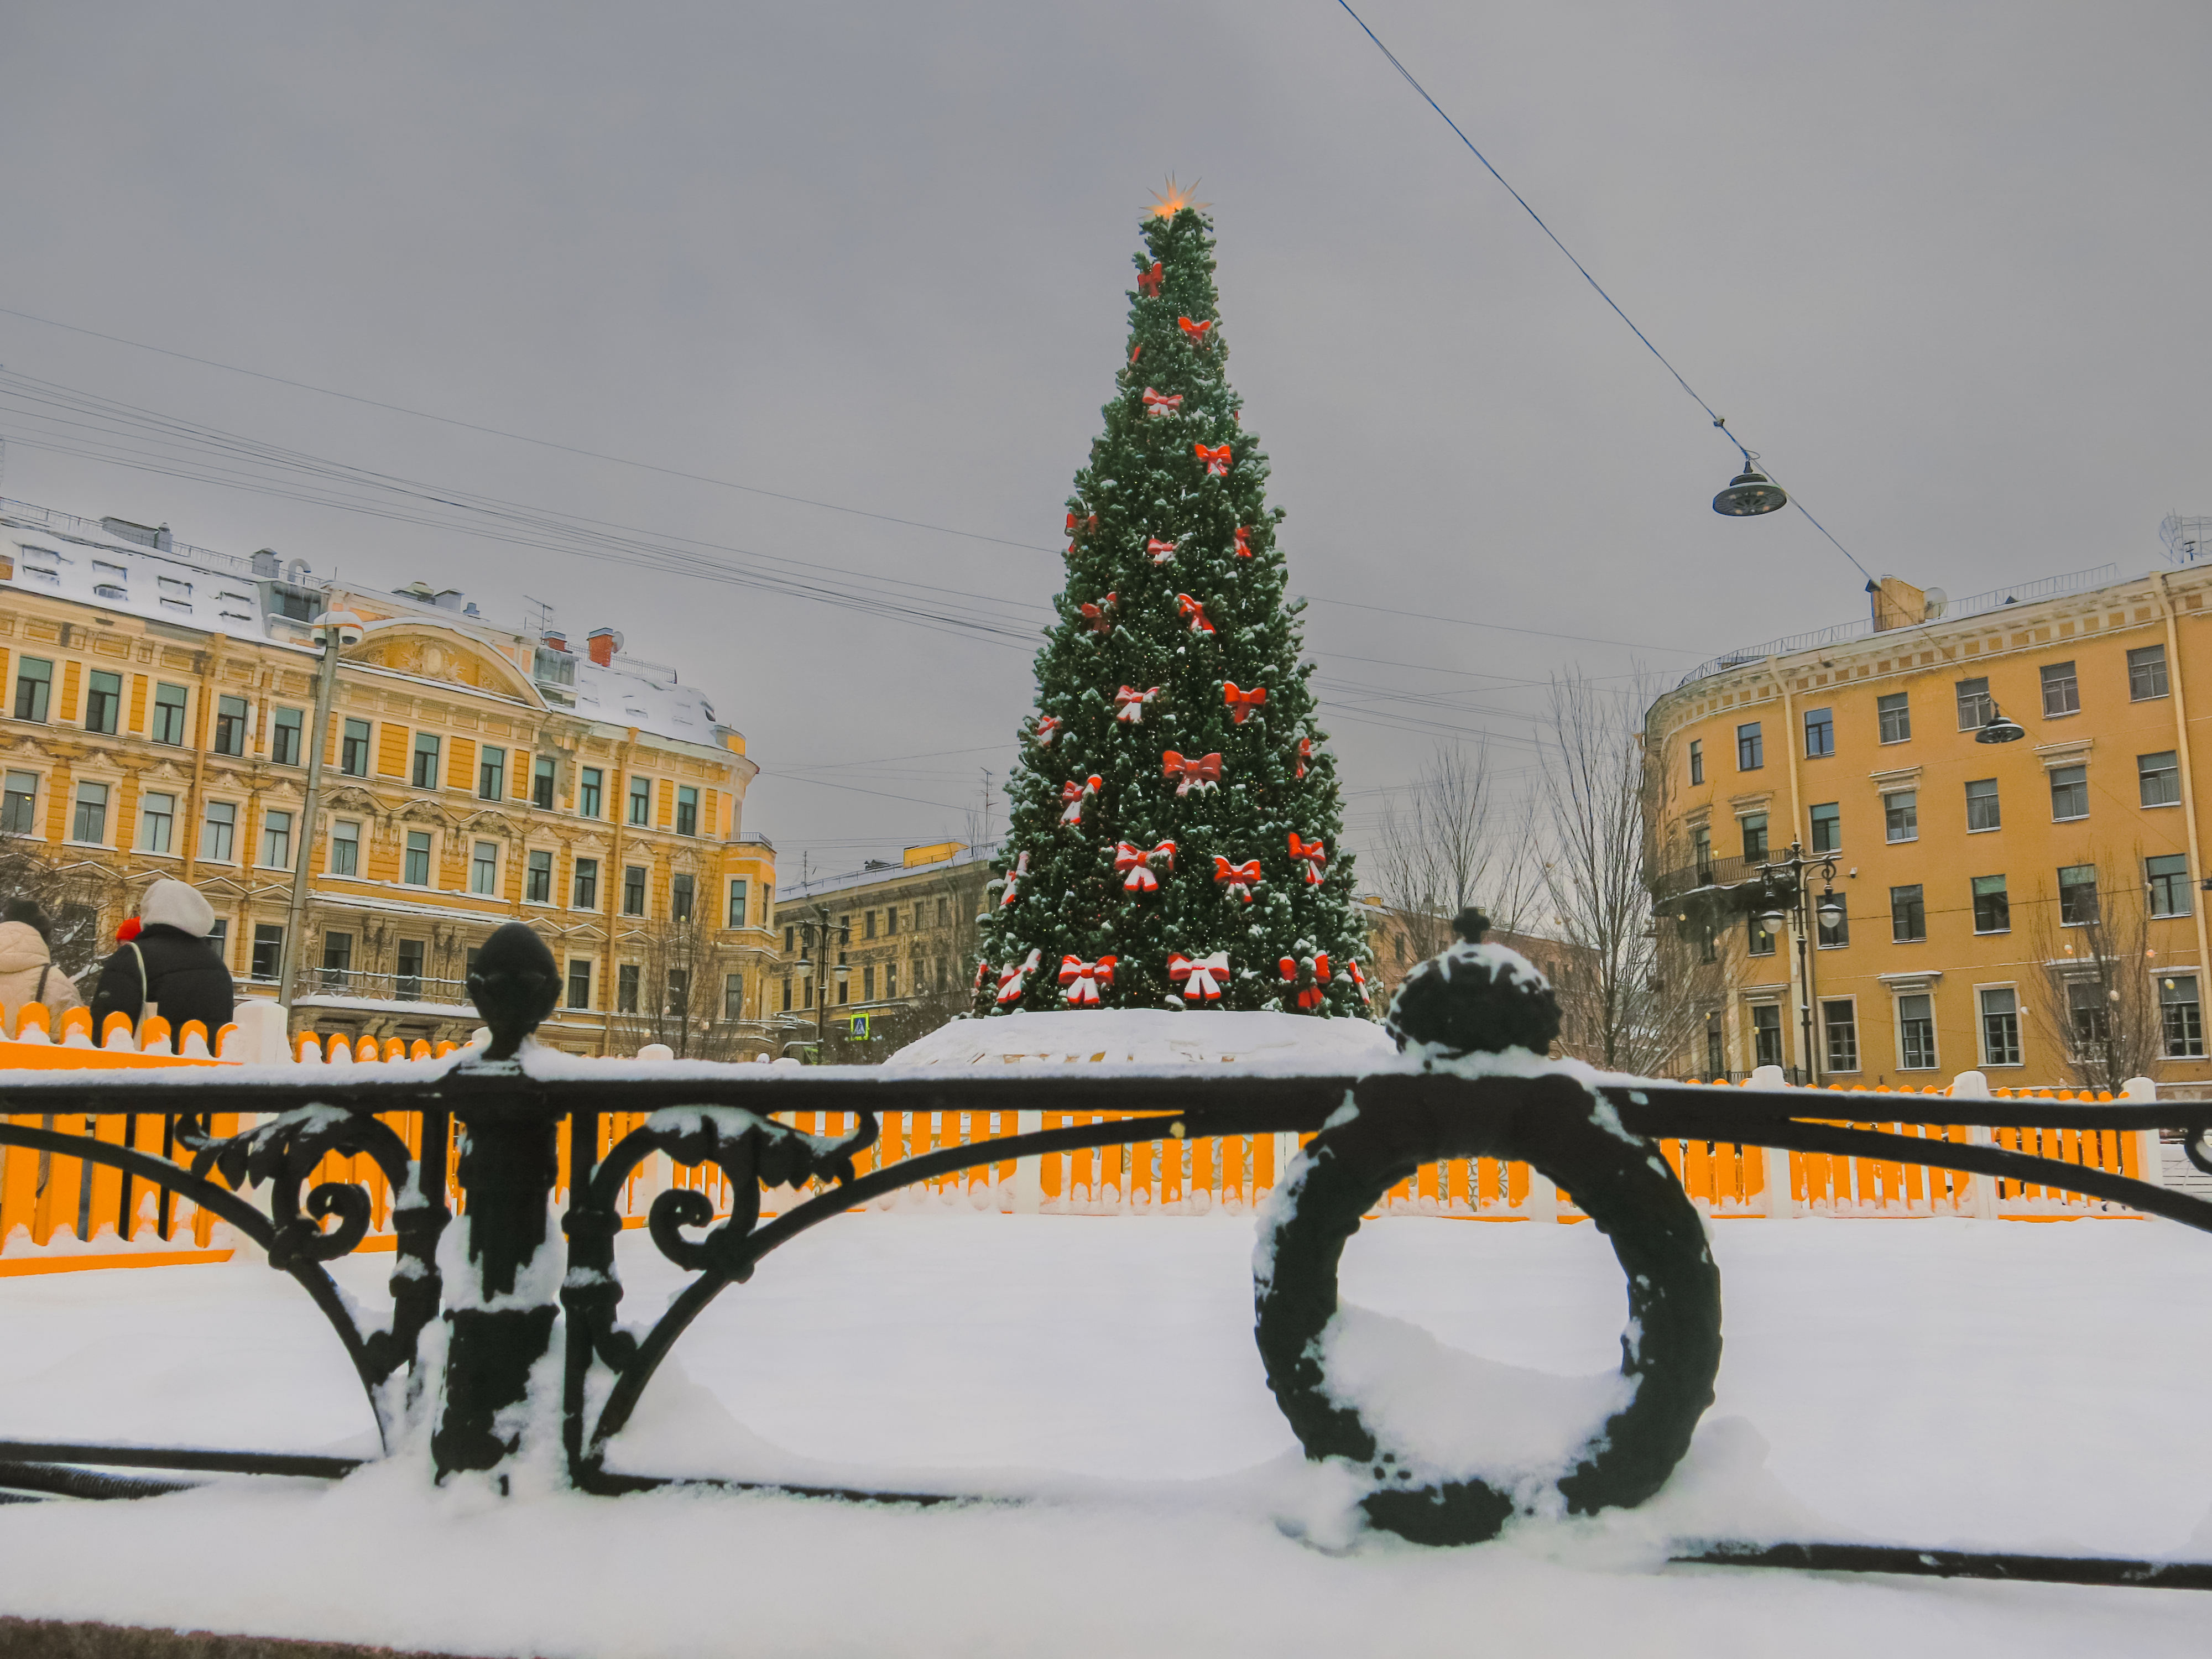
{"points": [[23, 956]]}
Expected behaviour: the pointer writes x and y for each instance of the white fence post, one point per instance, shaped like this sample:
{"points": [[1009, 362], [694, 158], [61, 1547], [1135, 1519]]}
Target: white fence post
{"points": [[1983, 1194], [1543, 1199], [1029, 1172], [1778, 1202], [2150, 1159], [261, 1025]]}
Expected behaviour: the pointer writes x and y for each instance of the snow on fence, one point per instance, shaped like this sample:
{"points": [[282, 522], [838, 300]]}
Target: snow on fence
{"points": [[55, 1216]]}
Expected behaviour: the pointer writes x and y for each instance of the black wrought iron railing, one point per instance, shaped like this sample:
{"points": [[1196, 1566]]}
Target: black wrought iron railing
{"points": [[1367, 1133]]}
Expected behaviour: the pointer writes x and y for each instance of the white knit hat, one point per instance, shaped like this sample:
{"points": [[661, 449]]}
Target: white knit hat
{"points": [[176, 904]]}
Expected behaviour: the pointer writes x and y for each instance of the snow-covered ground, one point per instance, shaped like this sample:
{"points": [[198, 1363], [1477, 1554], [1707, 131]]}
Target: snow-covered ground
{"points": [[1997, 1384]]}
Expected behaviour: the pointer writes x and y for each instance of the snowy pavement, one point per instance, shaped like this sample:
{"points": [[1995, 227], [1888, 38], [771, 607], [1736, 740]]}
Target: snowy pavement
{"points": [[1997, 1385]]}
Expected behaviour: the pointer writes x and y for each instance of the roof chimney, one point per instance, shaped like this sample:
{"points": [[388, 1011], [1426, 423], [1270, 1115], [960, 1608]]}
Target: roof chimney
{"points": [[602, 643], [554, 640]]}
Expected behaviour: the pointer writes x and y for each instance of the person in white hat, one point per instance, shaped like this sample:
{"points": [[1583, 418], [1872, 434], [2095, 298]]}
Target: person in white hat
{"points": [[170, 968]]}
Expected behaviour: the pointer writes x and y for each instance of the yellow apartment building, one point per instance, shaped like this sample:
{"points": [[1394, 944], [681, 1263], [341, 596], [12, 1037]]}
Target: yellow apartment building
{"points": [[160, 703], [2006, 906]]}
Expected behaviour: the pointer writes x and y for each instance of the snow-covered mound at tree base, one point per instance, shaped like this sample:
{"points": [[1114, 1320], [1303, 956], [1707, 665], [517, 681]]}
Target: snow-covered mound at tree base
{"points": [[1154, 1036]]}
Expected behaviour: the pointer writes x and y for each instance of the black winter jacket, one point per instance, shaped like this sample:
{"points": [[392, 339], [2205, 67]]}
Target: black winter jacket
{"points": [[184, 975]]}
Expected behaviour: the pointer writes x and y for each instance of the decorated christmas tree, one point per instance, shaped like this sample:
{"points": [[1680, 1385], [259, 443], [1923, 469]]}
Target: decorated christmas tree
{"points": [[1176, 820]]}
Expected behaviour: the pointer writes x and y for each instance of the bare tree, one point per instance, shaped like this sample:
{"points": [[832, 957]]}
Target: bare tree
{"points": [[1448, 843], [74, 899], [1635, 996], [2093, 941], [678, 998]]}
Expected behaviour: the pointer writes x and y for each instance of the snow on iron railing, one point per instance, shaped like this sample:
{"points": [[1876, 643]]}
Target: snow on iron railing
{"points": [[69, 525]]}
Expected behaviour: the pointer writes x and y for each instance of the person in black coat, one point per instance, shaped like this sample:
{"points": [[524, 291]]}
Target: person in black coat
{"points": [[184, 977]]}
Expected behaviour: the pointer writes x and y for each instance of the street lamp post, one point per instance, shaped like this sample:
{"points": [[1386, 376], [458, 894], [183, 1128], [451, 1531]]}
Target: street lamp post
{"points": [[1787, 882], [841, 971], [334, 631]]}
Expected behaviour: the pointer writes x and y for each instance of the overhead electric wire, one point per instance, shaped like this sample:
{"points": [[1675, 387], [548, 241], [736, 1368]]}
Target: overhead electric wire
{"points": [[1503, 627], [1720, 422]]}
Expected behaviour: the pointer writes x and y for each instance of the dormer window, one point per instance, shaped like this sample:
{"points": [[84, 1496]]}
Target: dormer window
{"points": [[103, 571], [173, 587]]}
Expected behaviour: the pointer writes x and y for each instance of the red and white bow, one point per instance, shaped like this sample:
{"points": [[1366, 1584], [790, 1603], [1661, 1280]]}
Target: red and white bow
{"points": [[1243, 543], [1048, 727], [1241, 703], [1237, 880], [1199, 772], [1161, 551], [1305, 754], [1082, 979], [1013, 878], [1129, 703], [1074, 794], [1014, 981], [1134, 865], [1309, 994], [1197, 331], [1359, 983], [1314, 854], [1217, 460], [1159, 403], [1084, 528], [982, 969], [1200, 622], [1148, 281], [1202, 978], [1101, 615]]}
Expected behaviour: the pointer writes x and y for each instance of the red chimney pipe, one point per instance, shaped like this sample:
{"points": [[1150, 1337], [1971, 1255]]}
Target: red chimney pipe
{"points": [[602, 643]]}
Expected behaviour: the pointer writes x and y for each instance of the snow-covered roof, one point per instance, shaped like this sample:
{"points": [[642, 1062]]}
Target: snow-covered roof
{"points": [[853, 881], [626, 696], [1150, 1036], [189, 587]]}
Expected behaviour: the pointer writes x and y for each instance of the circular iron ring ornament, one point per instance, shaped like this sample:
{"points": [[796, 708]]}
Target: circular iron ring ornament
{"points": [[1670, 1351]]}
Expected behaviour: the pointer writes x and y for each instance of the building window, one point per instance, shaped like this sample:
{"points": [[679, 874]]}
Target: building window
{"points": [[2070, 793], [2061, 692], [786, 994], [1895, 713], [492, 773], [891, 979], [35, 685], [1832, 935], [942, 911], [1841, 1021], [353, 750], [268, 952], [633, 889], [641, 800], [1761, 943], [230, 726], [1750, 748], [1974, 708], [679, 993], [537, 878], [1820, 732], [2183, 1019], [219, 937], [90, 823], [337, 960], [217, 830], [285, 746], [587, 885], [483, 867], [2168, 876], [1827, 828], [346, 847], [1992, 909], [680, 888], [626, 988], [103, 701], [1916, 1033], [786, 941], [1900, 815], [587, 793], [737, 904], [1999, 1026], [1716, 1054], [19, 813], [733, 996], [845, 990], [407, 981], [1982, 811], [276, 841], [541, 783], [1908, 915], [426, 760], [168, 714], [1766, 1034], [157, 817], [580, 981], [868, 925], [687, 812], [2077, 895], [2159, 779], [890, 919], [1754, 836], [417, 871], [1696, 760], [2146, 672], [868, 984], [2088, 1014], [1701, 853]]}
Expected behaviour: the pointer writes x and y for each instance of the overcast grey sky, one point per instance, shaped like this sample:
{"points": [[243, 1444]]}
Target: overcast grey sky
{"points": [[1945, 266]]}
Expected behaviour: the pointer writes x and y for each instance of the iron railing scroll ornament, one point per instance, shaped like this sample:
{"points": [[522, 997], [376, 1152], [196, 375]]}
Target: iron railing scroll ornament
{"points": [[457, 1374]]}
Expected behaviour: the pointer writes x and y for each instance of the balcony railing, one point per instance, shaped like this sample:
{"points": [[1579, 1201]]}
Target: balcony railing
{"points": [[388, 987]]}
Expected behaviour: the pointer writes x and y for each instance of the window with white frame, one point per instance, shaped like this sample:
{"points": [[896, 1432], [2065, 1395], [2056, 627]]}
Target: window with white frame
{"points": [[89, 823], [2181, 1016], [2000, 1026], [219, 831], [483, 867], [1916, 1032], [277, 840], [157, 819], [19, 806], [346, 847], [1840, 1021]]}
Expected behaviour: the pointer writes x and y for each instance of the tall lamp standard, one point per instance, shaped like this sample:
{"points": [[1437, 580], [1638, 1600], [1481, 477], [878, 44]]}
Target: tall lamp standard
{"points": [[839, 972], [1787, 883], [334, 631]]}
